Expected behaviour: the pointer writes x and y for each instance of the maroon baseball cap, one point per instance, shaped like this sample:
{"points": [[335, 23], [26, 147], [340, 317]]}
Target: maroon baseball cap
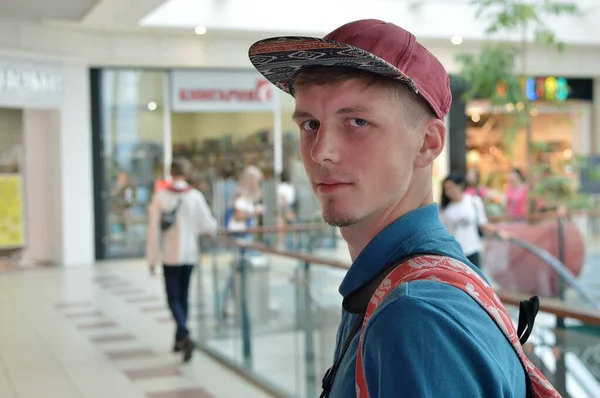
{"points": [[370, 45]]}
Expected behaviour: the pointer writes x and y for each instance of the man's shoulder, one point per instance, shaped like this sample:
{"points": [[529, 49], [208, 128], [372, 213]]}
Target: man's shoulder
{"points": [[426, 302], [443, 315], [438, 296], [426, 326]]}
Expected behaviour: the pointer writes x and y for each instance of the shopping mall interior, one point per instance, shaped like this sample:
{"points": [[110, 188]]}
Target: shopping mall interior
{"points": [[98, 99]]}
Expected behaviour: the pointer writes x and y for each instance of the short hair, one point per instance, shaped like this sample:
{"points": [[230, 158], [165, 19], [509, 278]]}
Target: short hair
{"points": [[180, 167], [416, 109]]}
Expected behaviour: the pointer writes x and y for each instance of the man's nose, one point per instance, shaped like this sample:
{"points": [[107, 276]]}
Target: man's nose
{"points": [[327, 146]]}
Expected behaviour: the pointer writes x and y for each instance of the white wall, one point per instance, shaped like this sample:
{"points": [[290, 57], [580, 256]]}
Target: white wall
{"points": [[42, 196], [76, 175]]}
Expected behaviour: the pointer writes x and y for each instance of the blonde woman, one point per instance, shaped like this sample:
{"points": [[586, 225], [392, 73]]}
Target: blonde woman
{"points": [[245, 207]]}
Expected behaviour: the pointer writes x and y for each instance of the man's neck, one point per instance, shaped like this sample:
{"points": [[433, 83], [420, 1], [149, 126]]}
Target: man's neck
{"points": [[359, 235]]}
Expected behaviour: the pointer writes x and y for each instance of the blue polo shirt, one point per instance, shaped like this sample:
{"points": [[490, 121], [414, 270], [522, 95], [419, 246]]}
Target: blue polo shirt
{"points": [[426, 339]]}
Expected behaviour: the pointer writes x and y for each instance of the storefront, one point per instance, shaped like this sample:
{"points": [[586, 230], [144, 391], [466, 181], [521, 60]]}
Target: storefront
{"points": [[43, 135], [222, 120], [561, 127]]}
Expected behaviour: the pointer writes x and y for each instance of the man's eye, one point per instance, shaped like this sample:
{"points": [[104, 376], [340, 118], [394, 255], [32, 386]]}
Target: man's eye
{"points": [[355, 122], [309, 125]]}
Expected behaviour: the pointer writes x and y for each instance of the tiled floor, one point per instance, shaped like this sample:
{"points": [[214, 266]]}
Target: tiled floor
{"points": [[96, 332]]}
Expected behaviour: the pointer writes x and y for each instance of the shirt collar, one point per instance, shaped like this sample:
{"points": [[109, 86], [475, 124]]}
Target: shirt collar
{"points": [[179, 186], [392, 243]]}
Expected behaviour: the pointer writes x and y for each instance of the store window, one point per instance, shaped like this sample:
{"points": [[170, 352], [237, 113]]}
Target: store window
{"points": [[129, 141], [494, 148], [223, 121], [560, 110]]}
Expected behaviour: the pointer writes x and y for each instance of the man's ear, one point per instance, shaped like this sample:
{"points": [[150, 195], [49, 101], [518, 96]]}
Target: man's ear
{"points": [[433, 143]]}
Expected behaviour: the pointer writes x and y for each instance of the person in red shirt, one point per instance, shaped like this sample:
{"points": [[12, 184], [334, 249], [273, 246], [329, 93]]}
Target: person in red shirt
{"points": [[516, 194]]}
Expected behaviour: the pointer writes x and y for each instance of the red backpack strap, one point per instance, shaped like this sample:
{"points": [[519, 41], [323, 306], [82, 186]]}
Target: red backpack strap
{"points": [[452, 272]]}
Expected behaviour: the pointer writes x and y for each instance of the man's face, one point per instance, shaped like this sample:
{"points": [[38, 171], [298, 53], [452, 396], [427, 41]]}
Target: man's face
{"points": [[357, 149]]}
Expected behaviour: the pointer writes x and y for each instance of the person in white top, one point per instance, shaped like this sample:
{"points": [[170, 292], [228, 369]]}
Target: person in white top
{"points": [[245, 205], [177, 216], [464, 216]]}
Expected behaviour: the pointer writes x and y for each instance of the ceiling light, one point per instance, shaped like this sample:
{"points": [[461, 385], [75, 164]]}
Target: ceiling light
{"points": [[152, 106], [456, 40], [200, 30]]}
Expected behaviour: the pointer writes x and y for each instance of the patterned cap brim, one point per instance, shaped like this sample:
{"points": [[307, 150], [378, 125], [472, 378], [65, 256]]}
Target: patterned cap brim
{"points": [[280, 59]]}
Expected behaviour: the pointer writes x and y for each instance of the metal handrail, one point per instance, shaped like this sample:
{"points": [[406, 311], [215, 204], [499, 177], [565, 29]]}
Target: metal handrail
{"points": [[546, 305], [544, 216], [276, 229]]}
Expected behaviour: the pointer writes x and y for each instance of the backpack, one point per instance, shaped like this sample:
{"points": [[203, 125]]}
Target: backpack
{"points": [[167, 218], [453, 272]]}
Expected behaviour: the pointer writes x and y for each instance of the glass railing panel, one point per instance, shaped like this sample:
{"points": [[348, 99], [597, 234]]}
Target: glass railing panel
{"points": [[273, 321], [275, 316], [567, 351], [549, 258], [326, 315], [588, 228], [218, 328]]}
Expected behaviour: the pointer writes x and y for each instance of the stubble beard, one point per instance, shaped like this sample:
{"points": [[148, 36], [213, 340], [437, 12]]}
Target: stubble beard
{"points": [[337, 219]]}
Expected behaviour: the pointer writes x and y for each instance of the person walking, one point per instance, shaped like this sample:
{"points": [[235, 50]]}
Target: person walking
{"points": [[177, 216]]}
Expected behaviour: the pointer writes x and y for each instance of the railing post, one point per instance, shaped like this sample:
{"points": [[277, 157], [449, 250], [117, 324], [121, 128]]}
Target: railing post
{"points": [[561, 364], [246, 341], [334, 237], [309, 341], [200, 300], [215, 276]]}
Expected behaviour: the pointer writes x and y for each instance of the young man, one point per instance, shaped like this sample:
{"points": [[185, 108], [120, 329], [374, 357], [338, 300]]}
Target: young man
{"points": [[370, 105], [178, 244]]}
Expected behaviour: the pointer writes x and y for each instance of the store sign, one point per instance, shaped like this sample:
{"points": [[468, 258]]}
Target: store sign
{"points": [[220, 91], [546, 88], [30, 84], [542, 88], [29, 81]]}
